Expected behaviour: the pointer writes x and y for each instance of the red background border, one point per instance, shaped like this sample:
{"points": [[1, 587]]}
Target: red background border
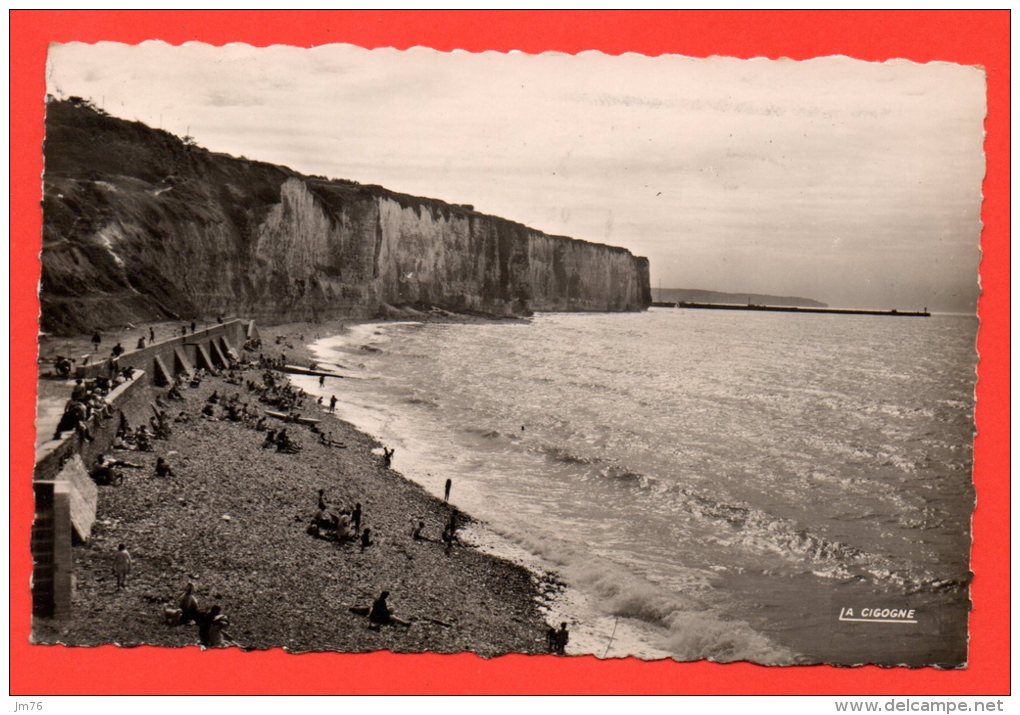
{"points": [[968, 37]]}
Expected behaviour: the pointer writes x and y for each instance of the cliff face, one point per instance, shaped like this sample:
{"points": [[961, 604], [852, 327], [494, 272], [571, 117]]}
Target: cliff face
{"points": [[140, 226]]}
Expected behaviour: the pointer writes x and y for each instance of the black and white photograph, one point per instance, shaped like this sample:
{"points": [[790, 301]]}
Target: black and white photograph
{"points": [[356, 350]]}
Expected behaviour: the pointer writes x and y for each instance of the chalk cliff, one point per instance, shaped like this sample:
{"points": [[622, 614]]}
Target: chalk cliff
{"points": [[140, 225]]}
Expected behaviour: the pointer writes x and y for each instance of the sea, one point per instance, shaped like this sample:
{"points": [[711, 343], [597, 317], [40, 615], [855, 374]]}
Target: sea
{"points": [[771, 487]]}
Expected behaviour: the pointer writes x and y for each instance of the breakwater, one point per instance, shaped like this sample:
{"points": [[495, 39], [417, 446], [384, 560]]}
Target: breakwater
{"points": [[794, 309]]}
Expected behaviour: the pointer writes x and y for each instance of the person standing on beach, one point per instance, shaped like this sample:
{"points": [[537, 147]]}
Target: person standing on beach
{"points": [[217, 634], [121, 565], [332, 403], [380, 613], [562, 638], [446, 491], [322, 380], [152, 335], [356, 517], [212, 628], [96, 339], [189, 605]]}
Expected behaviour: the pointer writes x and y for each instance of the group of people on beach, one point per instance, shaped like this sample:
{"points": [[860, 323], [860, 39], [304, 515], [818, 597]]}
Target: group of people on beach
{"points": [[86, 404], [342, 525], [212, 623]]}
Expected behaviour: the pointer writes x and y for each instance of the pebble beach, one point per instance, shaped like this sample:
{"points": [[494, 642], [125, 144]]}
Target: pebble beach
{"points": [[233, 521]]}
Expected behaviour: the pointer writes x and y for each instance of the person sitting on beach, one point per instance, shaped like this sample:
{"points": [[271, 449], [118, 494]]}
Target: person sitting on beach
{"points": [[189, 605], [141, 343], [285, 444], [79, 391], [163, 468], [417, 534], [448, 538], [214, 397], [160, 427], [366, 538], [174, 393], [98, 406], [63, 365], [123, 441], [270, 440], [343, 529], [388, 457], [142, 439], [381, 615], [102, 471]]}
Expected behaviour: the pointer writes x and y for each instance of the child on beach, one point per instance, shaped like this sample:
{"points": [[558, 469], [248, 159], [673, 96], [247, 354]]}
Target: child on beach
{"points": [[163, 468], [416, 534], [356, 517], [121, 565], [366, 539]]}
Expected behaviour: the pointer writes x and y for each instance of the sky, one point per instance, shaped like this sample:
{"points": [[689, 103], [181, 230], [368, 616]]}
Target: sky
{"points": [[854, 183]]}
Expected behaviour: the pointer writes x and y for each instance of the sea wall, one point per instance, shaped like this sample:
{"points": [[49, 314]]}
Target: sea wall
{"points": [[141, 227], [129, 399]]}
